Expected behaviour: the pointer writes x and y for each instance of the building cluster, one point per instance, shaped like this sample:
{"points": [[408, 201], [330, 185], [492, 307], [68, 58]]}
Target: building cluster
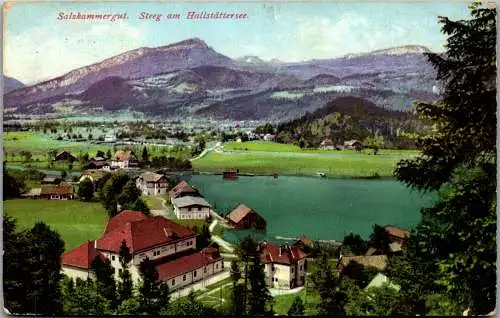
{"points": [[170, 247], [328, 144]]}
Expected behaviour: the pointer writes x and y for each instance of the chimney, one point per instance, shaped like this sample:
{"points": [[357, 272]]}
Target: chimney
{"points": [[280, 251], [118, 207]]}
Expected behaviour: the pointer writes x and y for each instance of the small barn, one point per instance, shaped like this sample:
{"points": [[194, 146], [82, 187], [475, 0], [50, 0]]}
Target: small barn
{"points": [[59, 192], [243, 217], [65, 157]]}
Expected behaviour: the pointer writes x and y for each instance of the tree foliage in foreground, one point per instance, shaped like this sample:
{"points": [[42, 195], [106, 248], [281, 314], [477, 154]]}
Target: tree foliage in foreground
{"points": [[457, 236]]}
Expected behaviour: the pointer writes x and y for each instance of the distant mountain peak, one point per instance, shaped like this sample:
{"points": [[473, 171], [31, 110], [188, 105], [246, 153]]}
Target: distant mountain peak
{"points": [[394, 51], [192, 42], [251, 59]]}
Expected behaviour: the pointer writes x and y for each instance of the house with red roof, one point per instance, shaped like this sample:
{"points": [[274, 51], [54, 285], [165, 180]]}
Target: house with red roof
{"points": [[183, 189], [170, 246], [285, 265], [243, 217]]}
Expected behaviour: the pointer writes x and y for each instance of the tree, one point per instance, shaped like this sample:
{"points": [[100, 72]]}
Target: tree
{"points": [[203, 237], [108, 154], [105, 279], [138, 205], [64, 174], [297, 307], [41, 250], [379, 239], [327, 285], [89, 137], [129, 194], [100, 153], [374, 142], [245, 251], [111, 189], [84, 158], [238, 306], [84, 299], [460, 154], [153, 296], [355, 244], [145, 155], [375, 301], [188, 306], [131, 306], [86, 189], [259, 297], [13, 187], [125, 283]]}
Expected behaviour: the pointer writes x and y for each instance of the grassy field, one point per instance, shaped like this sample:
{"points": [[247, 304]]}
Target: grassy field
{"points": [[310, 299], [75, 221], [351, 165], [260, 146]]}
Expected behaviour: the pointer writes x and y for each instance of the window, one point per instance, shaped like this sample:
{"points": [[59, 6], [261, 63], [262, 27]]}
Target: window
{"points": [[113, 258], [173, 282], [184, 278], [189, 209], [300, 268], [222, 265], [205, 270], [194, 273], [273, 268], [292, 270], [199, 208], [216, 266]]}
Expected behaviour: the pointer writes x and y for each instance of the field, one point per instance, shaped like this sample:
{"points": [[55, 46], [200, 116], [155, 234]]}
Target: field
{"points": [[288, 162], [75, 221], [310, 300]]}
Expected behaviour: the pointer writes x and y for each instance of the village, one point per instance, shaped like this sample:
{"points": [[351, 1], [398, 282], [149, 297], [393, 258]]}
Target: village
{"points": [[172, 246]]}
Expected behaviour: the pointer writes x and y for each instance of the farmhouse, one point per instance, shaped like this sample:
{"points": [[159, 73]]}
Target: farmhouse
{"points": [[65, 157], [269, 137], [183, 189], [170, 247], [285, 266], [124, 159], [50, 180], [56, 192], [327, 144], [397, 235], [353, 144], [243, 217], [96, 163], [152, 183], [188, 207]]}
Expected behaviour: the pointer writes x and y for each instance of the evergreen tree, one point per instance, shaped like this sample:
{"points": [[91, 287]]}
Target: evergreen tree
{"points": [[154, 297], [259, 297], [84, 299], [125, 283], [327, 284], [145, 155], [129, 194], [86, 189], [203, 237], [238, 307], [297, 307], [459, 158], [108, 154], [105, 279]]}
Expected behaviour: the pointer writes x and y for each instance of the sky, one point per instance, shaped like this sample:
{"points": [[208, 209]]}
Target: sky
{"points": [[38, 46]]}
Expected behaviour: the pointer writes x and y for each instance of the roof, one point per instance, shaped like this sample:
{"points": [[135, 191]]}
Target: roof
{"points": [[142, 234], [81, 256], [122, 155], [189, 201], [56, 190], [270, 253], [65, 153], [49, 179], [371, 251], [151, 177], [32, 192], [122, 218], [305, 240], [183, 187], [239, 213], [379, 280], [378, 261], [95, 174], [187, 263], [397, 232]]}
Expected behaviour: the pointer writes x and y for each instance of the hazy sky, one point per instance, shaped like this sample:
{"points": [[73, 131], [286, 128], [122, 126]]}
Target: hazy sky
{"points": [[38, 46]]}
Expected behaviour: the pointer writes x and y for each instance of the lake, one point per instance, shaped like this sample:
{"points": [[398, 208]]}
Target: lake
{"points": [[325, 209]]}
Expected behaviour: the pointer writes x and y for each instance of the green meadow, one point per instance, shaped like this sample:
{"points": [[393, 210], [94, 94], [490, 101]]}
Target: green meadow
{"points": [[75, 221], [269, 158]]}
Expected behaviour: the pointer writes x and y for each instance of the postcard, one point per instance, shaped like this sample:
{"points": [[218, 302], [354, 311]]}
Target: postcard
{"points": [[249, 158]]}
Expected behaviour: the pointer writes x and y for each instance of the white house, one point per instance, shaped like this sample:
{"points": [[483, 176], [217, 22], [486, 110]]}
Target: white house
{"points": [[285, 265], [171, 246], [269, 137], [124, 159], [189, 207], [109, 138], [152, 183]]}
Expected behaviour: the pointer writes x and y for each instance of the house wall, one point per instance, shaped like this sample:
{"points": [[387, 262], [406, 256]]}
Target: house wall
{"points": [[165, 250], [150, 188], [121, 164], [283, 275], [75, 272], [201, 273], [193, 214], [301, 272]]}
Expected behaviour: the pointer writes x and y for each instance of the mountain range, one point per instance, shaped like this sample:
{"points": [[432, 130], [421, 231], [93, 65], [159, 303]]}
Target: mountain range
{"points": [[190, 78]]}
